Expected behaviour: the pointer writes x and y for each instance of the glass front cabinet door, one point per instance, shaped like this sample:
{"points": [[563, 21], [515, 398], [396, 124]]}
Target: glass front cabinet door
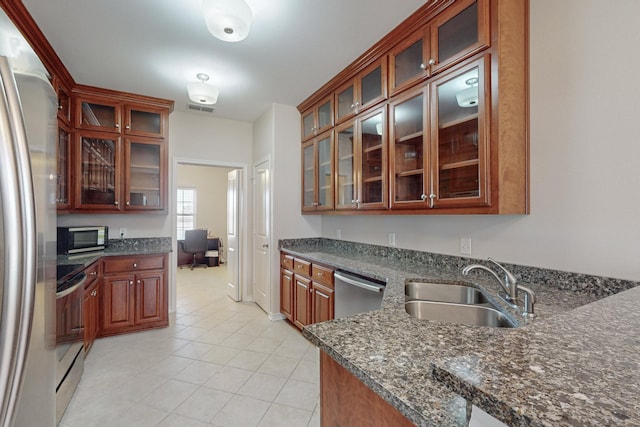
{"points": [[98, 114], [145, 121], [98, 163], [63, 178], [460, 136], [317, 173], [317, 119], [409, 150], [144, 182], [365, 90]]}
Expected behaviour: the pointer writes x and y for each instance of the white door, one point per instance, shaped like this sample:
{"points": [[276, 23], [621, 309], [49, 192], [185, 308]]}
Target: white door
{"points": [[261, 236], [233, 238]]}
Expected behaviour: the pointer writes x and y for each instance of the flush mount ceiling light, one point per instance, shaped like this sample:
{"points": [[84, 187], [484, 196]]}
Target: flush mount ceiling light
{"points": [[201, 92], [469, 97], [228, 20]]}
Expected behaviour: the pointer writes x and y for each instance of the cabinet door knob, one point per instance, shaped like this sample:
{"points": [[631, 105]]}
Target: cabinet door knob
{"points": [[116, 203], [423, 197], [128, 203], [138, 281], [135, 265], [432, 61], [93, 273], [320, 274], [127, 127], [117, 125], [431, 199], [131, 282]]}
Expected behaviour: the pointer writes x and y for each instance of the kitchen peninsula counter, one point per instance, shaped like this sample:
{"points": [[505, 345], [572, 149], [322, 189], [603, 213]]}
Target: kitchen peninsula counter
{"points": [[577, 363], [139, 246]]}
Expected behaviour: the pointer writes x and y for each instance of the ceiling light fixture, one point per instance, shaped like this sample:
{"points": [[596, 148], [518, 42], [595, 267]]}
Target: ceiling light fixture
{"points": [[201, 92], [469, 97], [228, 20]]}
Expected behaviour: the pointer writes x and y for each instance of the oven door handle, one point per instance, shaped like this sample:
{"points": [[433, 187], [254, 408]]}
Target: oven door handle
{"points": [[72, 289], [358, 283]]}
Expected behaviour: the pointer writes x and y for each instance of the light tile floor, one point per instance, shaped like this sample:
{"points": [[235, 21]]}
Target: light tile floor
{"points": [[219, 363]]}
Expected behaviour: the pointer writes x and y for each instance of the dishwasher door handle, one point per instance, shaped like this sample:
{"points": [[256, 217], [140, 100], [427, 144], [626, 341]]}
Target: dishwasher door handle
{"points": [[354, 282]]}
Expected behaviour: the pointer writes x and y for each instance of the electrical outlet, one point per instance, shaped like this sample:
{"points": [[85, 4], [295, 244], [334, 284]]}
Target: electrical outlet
{"points": [[392, 239], [123, 232], [465, 245], [339, 233]]}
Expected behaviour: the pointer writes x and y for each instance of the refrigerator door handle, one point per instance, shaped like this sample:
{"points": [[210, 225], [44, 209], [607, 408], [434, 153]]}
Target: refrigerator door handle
{"points": [[19, 232]]}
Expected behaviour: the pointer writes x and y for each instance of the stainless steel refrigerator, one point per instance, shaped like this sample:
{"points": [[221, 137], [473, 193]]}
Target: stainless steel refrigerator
{"points": [[27, 235]]}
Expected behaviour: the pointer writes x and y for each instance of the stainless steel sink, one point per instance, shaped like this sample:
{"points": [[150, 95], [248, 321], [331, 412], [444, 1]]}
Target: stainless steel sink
{"points": [[443, 292], [473, 315]]}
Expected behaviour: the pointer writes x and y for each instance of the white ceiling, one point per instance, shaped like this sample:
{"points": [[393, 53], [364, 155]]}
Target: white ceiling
{"points": [[155, 47]]}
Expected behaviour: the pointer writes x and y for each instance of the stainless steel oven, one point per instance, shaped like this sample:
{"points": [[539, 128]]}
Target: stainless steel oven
{"points": [[69, 334]]}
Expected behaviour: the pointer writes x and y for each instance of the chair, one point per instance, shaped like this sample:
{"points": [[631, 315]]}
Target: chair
{"points": [[195, 242]]}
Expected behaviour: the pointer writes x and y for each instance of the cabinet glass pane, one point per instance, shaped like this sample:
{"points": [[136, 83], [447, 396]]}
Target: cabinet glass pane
{"points": [[345, 167], [458, 33], [408, 63], [98, 171], [63, 105], [98, 115], [345, 102], [324, 115], [371, 86], [62, 183], [308, 124], [458, 154], [145, 121], [144, 175], [307, 176], [408, 149], [324, 172], [372, 167]]}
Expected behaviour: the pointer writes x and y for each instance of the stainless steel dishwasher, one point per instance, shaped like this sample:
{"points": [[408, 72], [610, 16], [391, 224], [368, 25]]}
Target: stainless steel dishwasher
{"points": [[356, 294]]}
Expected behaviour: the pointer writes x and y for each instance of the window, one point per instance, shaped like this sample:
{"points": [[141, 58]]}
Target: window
{"points": [[186, 198]]}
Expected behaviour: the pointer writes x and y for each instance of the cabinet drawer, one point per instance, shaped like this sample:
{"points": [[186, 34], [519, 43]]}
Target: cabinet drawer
{"points": [[133, 263], [302, 267], [322, 275], [93, 274], [286, 262]]}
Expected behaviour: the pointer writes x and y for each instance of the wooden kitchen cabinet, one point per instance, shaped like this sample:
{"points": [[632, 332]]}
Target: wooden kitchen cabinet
{"points": [[119, 161], [439, 141], [306, 291], [91, 304], [318, 118], [134, 293], [457, 126], [317, 173], [361, 162], [368, 88]]}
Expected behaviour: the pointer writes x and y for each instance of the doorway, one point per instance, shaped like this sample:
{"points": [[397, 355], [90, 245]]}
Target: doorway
{"points": [[209, 180]]}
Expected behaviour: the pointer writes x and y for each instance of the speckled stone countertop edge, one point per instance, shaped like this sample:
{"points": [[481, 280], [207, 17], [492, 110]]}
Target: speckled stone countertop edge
{"points": [[136, 246], [488, 402]]}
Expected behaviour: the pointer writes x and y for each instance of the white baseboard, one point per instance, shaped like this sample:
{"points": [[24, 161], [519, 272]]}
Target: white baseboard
{"points": [[276, 316]]}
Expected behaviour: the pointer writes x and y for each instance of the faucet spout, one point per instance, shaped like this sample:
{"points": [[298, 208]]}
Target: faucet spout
{"points": [[471, 267]]}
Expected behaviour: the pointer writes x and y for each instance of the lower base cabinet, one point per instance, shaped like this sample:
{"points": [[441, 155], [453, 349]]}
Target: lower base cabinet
{"points": [[134, 294], [306, 291], [91, 305], [346, 401]]}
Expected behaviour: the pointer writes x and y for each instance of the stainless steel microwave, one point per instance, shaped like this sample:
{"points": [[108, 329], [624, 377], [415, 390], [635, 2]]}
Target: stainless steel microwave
{"points": [[73, 240]]}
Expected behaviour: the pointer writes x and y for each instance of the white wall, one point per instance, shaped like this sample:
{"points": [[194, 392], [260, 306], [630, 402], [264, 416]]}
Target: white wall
{"points": [[585, 180], [277, 136], [211, 196]]}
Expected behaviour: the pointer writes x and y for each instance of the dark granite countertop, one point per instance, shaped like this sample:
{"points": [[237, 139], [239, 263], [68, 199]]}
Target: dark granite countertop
{"points": [[139, 246], [575, 364]]}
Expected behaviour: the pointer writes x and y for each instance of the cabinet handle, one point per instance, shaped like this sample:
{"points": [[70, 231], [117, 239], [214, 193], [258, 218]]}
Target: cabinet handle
{"points": [[60, 107], [432, 61], [135, 265], [138, 281], [431, 198], [117, 125], [423, 197], [116, 203], [128, 203], [93, 273], [94, 293], [127, 127], [131, 282], [320, 274]]}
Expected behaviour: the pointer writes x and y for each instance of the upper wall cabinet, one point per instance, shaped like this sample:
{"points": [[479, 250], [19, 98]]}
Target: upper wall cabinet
{"points": [[455, 34], [318, 118], [119, 157], [317, 173], [368, 88], [456, 139]]}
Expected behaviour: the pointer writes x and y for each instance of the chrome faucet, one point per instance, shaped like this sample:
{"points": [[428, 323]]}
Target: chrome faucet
{"points": [[509, 285]]}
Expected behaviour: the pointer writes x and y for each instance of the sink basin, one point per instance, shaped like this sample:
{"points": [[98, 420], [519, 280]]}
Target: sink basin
{"points": [[443, 292], [473, 315]]}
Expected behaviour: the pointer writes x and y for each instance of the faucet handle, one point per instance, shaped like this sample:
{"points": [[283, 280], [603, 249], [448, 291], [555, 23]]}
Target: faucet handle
{"points": [[509, 277], [529, 301]]}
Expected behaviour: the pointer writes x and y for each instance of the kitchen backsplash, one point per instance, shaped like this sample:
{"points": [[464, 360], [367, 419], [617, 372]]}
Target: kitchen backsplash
{"points": [[577, 282]]}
